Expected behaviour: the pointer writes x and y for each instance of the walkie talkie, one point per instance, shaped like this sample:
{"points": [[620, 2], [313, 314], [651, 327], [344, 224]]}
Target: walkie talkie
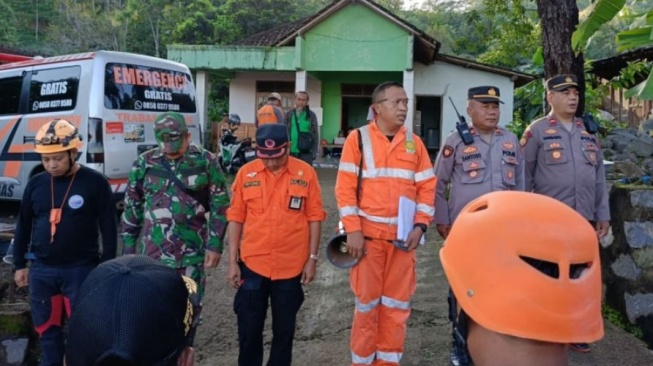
{"points": [[462, 127], [590, 124]]}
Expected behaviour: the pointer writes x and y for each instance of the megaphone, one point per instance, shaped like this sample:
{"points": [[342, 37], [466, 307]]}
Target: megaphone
{"points": [[336, 250]]}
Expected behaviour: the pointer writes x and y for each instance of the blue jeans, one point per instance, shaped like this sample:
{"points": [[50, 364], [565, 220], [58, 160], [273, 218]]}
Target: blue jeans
{"points": [[53, 290], [251, 307]]}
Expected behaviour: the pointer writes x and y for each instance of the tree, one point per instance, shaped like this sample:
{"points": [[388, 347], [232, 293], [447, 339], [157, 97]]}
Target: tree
{"points": [[639, 36], [8, 31], [558, 20]]}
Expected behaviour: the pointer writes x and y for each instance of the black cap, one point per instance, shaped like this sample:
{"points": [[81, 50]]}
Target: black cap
{"points": [[562, 82], [133, 308], [484, 94], [271, 140]]}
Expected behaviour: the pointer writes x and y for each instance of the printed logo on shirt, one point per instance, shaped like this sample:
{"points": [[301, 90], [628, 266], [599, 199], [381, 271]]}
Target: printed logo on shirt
{"points": [[507, 145], [410, 147], [447, 151], [470, 149], [76, 201], [551, 131], [509, 153]]}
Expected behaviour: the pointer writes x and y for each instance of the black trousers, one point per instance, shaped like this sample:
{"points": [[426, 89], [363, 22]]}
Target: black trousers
{"points": [[307, 157], [251, 306]]}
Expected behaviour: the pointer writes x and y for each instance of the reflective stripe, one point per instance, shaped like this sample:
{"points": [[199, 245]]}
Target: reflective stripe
{"points": [[367, 149], [394, 220], [389, 173], [389, 302], [362, 360], [424, 175], [348, 167], [348, 211], [366, 308], [423, 207], [389, 356]]}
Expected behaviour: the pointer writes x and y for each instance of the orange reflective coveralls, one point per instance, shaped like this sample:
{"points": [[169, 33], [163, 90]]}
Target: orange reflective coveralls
{"points": [[384, 279]]}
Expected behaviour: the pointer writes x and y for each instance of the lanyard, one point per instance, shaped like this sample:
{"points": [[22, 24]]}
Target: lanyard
{"points": [[55, 213]]}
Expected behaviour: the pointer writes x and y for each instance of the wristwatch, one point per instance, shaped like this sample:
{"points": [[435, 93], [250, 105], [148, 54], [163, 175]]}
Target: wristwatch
{"points": [[314, 257], [421, 226]]}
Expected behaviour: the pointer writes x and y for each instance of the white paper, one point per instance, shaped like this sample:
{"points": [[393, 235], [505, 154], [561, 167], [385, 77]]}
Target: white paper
{"points": [[407, 210]]}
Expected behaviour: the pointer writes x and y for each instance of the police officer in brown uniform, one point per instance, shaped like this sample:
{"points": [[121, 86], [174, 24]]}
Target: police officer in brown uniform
{"points": [[564, 161], [492, 162]]}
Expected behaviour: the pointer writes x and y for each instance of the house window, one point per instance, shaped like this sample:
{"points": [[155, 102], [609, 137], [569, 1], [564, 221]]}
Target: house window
{"points": [[285, 88]]}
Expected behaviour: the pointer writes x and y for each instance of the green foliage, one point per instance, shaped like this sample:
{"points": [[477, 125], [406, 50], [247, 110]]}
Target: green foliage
{"points": [[619, 319], [602, 12], [8, 32]]}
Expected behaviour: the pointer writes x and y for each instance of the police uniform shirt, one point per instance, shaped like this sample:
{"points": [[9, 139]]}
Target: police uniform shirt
{"points": [[476, 169], [566, 165]]}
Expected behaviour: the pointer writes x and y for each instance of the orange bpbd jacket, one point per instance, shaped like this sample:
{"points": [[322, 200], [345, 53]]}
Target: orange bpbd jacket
{"points": [[391, 169], [275, 241]]}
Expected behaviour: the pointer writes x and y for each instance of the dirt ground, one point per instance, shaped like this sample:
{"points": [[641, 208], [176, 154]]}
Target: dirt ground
{"points": [[324, 321]]}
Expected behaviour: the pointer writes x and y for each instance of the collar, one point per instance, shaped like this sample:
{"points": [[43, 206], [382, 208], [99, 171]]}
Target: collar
{"points": [[374, 127]]}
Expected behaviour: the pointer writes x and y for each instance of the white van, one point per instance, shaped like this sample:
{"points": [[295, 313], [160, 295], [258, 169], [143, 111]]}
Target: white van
{"points": [[112, 97]]}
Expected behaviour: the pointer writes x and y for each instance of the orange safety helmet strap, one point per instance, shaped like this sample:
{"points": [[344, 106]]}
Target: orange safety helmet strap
{"points": [[526, 265]]}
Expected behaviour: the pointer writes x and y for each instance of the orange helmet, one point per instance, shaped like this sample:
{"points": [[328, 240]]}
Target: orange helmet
{"points": [[526, 265], [57, 136]]}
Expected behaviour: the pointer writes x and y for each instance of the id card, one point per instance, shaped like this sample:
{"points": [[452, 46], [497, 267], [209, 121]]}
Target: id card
{"points": [[295, 203]]}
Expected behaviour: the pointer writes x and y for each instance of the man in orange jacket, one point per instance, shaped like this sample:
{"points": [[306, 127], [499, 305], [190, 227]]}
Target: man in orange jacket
{"points": [[394, 163]]}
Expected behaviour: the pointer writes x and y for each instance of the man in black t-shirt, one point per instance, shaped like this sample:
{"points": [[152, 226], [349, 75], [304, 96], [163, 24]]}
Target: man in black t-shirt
{"points": [[60, 214]]}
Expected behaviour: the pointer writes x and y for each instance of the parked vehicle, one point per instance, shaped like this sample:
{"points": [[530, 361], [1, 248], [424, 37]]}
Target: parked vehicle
{"points": [[233, 153], [111, 97]]}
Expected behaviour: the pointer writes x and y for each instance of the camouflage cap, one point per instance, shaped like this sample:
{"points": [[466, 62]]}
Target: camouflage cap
{"points": [[169, 130]]}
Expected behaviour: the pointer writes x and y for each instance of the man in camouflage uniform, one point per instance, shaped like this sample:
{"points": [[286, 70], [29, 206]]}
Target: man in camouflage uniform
{"points": [[493, 162], [176, 202]]}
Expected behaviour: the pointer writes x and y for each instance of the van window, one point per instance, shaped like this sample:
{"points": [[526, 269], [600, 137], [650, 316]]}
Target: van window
{"points": [[54, 90], [10, 94], [144, 88]]}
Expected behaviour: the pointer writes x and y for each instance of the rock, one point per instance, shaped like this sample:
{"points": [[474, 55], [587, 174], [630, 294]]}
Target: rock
{"points": [[639, 234], [628, 168], [644, 257], [607, 144], [647, 166], [645, 128], [625, 267], [621, 139], [641, 147], [642, 199], [638, 305], [608, 153], [15, 351]]}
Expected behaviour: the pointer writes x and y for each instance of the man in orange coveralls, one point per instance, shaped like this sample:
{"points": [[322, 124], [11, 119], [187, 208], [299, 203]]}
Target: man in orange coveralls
{"points": [[392, 162], [276, 206], [524, 291]]}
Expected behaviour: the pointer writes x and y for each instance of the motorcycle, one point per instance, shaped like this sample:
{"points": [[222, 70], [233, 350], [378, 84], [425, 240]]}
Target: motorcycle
{"points": [[233, 153]]}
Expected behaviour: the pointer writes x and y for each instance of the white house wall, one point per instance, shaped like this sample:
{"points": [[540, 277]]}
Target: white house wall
{"points": [[440, 78], [242, 92]]}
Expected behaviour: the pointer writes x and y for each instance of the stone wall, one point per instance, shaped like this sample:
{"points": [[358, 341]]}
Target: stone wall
{"points": [[627, 257]]}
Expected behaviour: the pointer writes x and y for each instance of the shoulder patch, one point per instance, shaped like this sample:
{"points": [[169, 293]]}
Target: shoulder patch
{"points": [[447, 151], [524, 139]]}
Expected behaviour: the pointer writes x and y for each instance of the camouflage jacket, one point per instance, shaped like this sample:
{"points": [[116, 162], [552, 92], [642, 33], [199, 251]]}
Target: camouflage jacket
{"points": [[171, 224]]}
